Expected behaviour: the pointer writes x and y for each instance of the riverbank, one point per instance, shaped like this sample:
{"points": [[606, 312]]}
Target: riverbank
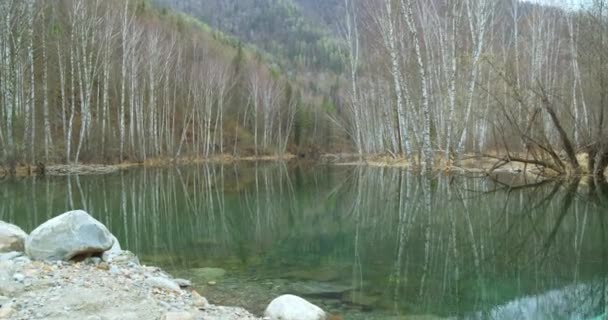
{"points": [[94, 289], [23, 170], [469, 164], [72, 267]]}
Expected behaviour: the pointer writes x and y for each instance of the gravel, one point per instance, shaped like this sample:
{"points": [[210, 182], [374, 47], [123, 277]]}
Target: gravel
{"points": [[99, 290]]}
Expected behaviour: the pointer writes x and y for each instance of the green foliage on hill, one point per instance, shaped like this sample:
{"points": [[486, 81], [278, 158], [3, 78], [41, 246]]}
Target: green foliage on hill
{"points": [[283, 28]]}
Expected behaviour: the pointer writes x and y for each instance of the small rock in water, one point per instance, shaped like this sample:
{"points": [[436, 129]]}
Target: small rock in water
{"points": [[163, 283], [182, 315], [211, 283]]}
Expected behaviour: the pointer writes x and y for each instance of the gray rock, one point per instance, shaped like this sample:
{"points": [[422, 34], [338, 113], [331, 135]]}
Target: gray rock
{"points": [[10, 255], [183, 283], [199, 301], [18, 277], [114, 270], [122, 258], [12, 238], [163, 283], [92, 261], [74, 234], [22, 260], [290, 307], [113, 252]]}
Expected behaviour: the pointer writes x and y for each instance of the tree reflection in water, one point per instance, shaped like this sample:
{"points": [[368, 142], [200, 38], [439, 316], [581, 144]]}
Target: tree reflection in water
{"points": [[373, 242]]}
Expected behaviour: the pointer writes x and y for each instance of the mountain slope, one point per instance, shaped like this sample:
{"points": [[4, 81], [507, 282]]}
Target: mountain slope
{"points": [[282, 28], [327, 12]]}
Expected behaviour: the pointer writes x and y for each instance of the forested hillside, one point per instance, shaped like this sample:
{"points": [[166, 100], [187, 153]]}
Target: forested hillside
{"points": [[426, 81], [432, 80], [328, 12], [284, 28], [118, 80]]}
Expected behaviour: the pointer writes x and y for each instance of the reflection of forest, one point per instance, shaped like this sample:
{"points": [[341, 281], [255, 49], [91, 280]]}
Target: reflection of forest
{"points": [[398, 241]]}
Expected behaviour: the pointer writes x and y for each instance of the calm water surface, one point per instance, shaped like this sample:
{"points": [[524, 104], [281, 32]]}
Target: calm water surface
{"points": [[364, 243]]}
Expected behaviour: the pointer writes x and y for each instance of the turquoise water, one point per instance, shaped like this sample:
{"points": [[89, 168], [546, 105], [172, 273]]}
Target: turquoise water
{"points": [[363, 243]]}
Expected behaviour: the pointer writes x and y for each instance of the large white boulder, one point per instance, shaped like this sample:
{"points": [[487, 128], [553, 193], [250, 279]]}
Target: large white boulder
{"points": [[72, 235], [290, 307], [12, 238]]}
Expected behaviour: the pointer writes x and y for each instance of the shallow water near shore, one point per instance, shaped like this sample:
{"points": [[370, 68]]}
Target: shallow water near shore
{"points": [[363, 243]]}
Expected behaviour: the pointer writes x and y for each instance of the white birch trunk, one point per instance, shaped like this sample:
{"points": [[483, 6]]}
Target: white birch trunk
{"points": [[48, 138], [427, 148], [123, 76], [479, 17], [352, 39], [30, 112]]}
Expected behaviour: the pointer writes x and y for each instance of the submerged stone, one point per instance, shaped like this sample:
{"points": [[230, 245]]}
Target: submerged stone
{"points": [[208, 274], [361, 299], [323, 274], [314, 288]]}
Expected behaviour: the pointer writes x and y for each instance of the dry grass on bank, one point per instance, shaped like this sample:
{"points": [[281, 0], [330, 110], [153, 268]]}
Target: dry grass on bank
{"points": [[89, 169], [470, 163]]}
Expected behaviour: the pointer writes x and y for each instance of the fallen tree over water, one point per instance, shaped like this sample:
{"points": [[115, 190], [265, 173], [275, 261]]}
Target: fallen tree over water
{"points": [[547, 145]]}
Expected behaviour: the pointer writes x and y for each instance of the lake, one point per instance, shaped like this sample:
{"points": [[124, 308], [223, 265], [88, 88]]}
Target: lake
{"points": [[363, 243]]}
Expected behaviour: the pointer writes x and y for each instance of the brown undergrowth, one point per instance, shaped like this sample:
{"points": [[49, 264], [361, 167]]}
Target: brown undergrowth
{"points": [[25, 170]]}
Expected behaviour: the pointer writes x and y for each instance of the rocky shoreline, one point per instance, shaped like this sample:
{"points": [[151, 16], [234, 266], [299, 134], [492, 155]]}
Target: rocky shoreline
{"points": [[72, 267]]}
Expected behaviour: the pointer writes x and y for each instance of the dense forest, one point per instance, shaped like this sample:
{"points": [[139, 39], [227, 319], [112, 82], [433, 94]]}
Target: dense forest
{"points": [[112, 81], [427, 81], [298, 37], [435, 79]]}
